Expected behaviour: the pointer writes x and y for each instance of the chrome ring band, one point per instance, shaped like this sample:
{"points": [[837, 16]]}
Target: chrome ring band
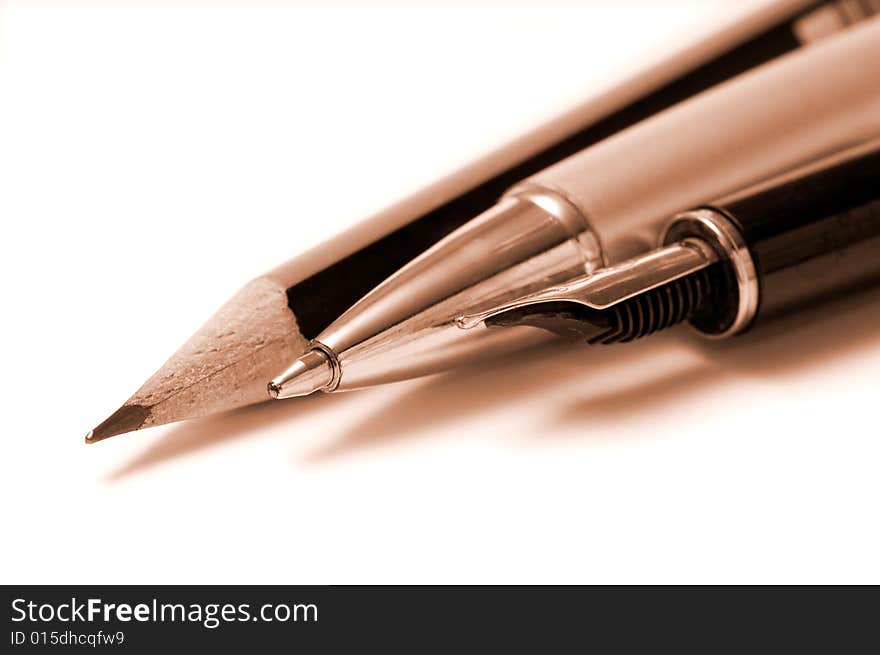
{"points": [[334, 365], [718, 230]]}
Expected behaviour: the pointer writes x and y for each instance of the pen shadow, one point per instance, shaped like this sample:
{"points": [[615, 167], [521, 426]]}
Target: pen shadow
{"points": [[478, 388], [807, 339], [625, 379]]}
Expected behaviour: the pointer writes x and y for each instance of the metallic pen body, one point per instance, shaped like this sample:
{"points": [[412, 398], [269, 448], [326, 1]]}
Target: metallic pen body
{"points": [[601, 206]]}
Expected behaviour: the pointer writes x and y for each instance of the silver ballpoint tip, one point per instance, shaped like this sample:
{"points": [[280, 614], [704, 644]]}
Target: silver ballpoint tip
{"points": [[312, 372], [274, 390]]}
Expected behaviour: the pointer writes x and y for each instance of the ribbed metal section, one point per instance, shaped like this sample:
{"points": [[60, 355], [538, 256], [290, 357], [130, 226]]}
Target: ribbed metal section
{"points": [[662, 307]]}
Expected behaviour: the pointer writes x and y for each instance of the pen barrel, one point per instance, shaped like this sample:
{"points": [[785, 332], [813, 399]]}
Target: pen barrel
{"points": [[813, 235], [801, 107]]}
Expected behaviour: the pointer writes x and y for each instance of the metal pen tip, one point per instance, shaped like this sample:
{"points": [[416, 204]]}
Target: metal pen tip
{"points": [[313, 371], [274, 390]]}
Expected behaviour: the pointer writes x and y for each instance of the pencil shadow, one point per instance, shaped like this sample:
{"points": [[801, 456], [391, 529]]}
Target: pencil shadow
{"points": [[616, 382], [199, 434]]}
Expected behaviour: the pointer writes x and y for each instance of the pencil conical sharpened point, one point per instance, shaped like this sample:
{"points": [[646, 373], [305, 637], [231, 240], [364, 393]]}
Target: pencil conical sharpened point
{"points": [[312, 372]]}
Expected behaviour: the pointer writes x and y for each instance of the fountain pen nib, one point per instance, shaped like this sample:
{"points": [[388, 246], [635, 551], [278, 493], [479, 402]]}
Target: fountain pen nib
{"points": [[313, 371]]}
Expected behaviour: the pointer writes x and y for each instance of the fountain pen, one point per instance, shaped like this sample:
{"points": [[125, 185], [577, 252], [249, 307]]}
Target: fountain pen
{"points": [[598, 208], [811, 235]]}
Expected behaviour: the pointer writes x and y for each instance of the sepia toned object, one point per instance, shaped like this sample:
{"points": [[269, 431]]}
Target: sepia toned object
{"points": [[273, 318], [600, 207], [789, 243]]}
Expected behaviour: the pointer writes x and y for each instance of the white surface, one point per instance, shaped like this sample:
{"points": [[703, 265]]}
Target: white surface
{"points": [[146, 152]]}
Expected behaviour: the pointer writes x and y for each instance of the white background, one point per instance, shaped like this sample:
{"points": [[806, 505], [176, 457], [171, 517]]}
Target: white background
{"points": [[155, 156]]}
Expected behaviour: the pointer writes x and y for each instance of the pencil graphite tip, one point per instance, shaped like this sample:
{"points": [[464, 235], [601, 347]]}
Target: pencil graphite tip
{"points": [[125, 419], [312, 372]]}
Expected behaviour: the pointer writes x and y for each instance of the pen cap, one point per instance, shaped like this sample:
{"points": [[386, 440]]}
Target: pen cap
{"points": [[811, 234]]}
